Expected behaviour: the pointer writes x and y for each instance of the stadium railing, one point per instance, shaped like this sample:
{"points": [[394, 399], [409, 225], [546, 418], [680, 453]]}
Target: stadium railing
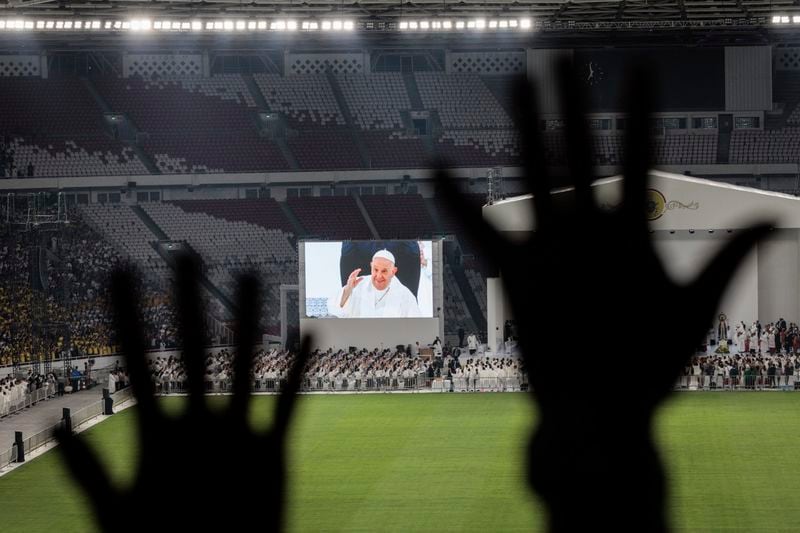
{"points": [[29, 399], [47, 435]]}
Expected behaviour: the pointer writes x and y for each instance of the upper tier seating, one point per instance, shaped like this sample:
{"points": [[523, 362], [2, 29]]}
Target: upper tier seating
{"points": [[264, 212], [80, 157], [375, 100], [774, 146], [59, 107], [331, 148], [399, 216], [479, 147], [330, 217], [306, 100], [462, 100], [197, 125], [395, 150]]}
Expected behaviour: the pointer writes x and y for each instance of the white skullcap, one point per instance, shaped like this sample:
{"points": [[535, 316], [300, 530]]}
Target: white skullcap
{"points": [[385, 254]]}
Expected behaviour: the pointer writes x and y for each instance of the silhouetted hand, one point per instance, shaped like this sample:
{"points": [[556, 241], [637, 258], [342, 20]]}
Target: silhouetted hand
{"points": [[603, 329], [204, 470]]}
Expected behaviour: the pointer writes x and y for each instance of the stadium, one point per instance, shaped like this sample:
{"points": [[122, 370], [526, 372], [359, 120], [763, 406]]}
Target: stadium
{"points": [[368, 196]]}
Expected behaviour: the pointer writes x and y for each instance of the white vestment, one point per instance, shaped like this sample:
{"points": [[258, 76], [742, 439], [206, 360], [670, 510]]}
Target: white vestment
{"points": [[368, 302]]}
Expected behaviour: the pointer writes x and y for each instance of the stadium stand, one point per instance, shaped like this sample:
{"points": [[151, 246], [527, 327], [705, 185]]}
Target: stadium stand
{"points": [[399, 216], [330, 217], [206, 125], [774, 146], [307, 101], [462, 100], [264, 212], [376, 100]]}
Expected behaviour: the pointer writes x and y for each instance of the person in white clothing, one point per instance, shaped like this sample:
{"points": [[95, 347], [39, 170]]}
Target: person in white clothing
{"points": [[384, 296]]}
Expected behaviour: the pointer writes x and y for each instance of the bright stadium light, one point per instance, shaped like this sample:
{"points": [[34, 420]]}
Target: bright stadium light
{"points": [[460, 25], [95, 24], [291, 25], [251, 25], [785, 20], [349, 25], [49, 25], [240, 25], [403, 25], [197, 25], [39, 24], [228, 25], [493, 24], [424, 25], [525, 24], [28, 24], [337, 25], [261, 25], [446, 24], [412, 25], [503, 24], [776, 19], [326, 25], [125, 25], [480, 24], [513, 23], [796, 19], [277, 25]]}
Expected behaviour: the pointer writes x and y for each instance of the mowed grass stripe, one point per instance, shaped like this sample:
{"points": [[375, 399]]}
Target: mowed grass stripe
{"points": [[455, 462]]}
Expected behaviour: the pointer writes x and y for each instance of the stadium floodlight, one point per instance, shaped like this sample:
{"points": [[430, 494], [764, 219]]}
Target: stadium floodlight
{"points": [[186, 26], [349, 25], [28, 24], [326, 25], [471, 24], [240, 25], [197, 25], [424, 25], [228, 25], [95, 24], [446, 24], [251, 24], [2, 24], [503, 24], [261, 25], [785, 20], [513, 23], [412, 25], [436, 25], [78, 24], [291, 25], [480, 24], [403, 25], [157, 25], [796, 19], [49, 25], [493, 24], [278, 25], [117, 24], [39, 24], [125, 25], [776, 19], [460, 25], [337, 25], [526, 24]]}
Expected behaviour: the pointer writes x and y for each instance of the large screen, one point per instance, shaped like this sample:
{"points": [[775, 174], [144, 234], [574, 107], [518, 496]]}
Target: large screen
{"points": [[369, 279]]}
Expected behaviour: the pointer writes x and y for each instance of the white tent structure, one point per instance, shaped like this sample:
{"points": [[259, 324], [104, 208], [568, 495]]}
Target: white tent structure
{"points": [[691, 219]]}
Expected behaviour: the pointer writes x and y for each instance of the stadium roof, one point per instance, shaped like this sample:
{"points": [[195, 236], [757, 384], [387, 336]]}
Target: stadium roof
{"points": [[554, 13]]}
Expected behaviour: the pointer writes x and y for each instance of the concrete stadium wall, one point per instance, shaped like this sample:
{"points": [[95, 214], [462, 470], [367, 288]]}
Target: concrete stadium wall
{"points": [[369, 332]]}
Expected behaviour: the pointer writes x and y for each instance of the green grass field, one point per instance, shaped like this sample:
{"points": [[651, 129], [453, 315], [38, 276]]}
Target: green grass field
{"points": [[454, 462]]}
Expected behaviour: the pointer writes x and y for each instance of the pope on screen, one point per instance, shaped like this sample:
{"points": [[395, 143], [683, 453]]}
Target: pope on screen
{"points": [[380, 294]]}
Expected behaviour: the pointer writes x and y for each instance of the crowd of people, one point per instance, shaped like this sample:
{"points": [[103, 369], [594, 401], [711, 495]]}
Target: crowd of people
{"points": [[14, 391], [774, 337], [344, 370], [742, 371]]}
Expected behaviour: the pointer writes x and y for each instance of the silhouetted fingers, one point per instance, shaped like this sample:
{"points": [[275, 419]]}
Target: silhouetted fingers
{"points": [[86, 469], [579, 148], [637, 155], [288, 397], [494, 245], [131, 335], [191, 328], [532, 151], [247, 313], [707, 289]]}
